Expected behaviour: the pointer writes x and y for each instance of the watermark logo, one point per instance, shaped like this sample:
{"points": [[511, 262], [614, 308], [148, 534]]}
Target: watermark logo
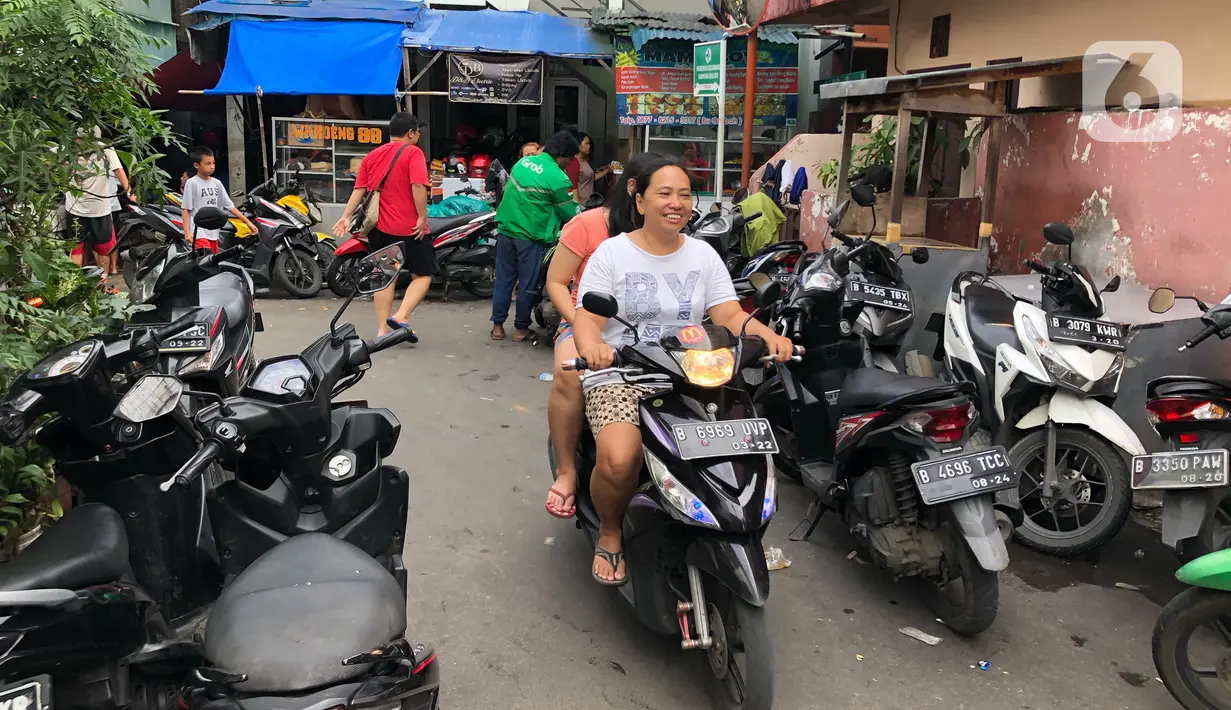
{"points": [[1120, 80]]}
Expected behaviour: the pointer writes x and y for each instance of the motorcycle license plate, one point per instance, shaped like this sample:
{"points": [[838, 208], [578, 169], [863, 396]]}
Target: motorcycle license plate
{"points": [[725, 438], [884, 296], [964, 475], [1180, 469], [194, 339], [29, 694], [1083, 331]]}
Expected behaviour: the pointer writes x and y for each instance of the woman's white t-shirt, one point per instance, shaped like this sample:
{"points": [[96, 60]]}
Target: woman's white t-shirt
{"points": [[658, 294]]}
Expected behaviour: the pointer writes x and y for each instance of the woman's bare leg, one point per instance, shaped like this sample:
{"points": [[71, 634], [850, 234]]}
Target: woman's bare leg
{"points": [[616, 471]]}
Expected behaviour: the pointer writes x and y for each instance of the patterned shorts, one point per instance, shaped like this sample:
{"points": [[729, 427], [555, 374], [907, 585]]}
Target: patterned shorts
{"points": [[607, 404]]}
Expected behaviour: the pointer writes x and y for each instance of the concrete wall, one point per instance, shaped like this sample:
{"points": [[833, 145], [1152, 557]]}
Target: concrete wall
{"points": [[1153, 213], [982, 31]]}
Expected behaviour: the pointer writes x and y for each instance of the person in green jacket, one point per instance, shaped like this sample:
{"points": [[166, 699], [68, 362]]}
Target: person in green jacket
{"points": [[535, 205]]}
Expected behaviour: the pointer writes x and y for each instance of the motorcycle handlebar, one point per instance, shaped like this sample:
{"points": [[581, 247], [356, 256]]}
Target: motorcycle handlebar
{"points": [[1039, 268], [214, 259], [195, 466], [1199, 337], [386, 341], [169, 330], [797, 357]]}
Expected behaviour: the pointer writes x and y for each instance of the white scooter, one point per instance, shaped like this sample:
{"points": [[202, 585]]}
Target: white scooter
{"points": [[1049, 372]]}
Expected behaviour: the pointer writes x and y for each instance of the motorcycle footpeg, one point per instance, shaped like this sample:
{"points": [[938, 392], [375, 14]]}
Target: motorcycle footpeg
{"points": [[217, 678]]}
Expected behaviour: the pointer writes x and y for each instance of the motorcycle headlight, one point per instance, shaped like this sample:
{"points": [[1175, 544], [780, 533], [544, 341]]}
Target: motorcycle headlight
{"points": [[314, 213], [1109, 383], [822, 280], [708, 368], [143, 290], [683, 503], [1056, 365], [206, 361]]}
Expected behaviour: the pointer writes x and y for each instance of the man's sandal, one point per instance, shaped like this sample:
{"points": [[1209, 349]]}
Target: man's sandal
{"points": [[613, 559]]}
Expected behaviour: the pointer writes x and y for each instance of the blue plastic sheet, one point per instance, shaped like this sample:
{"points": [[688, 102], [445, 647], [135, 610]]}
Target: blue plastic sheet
{"points": [[507, 32], [404, 11], [457, 205], [312, 57]]}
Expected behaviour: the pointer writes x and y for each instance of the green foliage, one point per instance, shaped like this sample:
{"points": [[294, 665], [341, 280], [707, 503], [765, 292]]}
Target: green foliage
{"points": [[66, 66], [882, 143]]}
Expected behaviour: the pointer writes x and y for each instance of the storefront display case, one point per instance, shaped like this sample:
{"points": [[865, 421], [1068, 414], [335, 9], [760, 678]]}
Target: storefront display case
{"points": [[325, 154], [696, 148]]}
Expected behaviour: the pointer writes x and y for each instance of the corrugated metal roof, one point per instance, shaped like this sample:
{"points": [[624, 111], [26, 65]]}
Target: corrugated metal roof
{"points": [[629, 18], [641, 35]]}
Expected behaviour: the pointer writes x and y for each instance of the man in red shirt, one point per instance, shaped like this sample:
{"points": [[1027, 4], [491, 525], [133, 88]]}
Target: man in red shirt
{"points": [[402, 218]]}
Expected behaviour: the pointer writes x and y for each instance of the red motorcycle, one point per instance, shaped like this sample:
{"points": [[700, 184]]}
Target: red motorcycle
{"points": [[465, 253]]}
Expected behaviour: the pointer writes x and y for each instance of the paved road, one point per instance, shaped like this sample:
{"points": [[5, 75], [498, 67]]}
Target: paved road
{"points": [[504, 591]]}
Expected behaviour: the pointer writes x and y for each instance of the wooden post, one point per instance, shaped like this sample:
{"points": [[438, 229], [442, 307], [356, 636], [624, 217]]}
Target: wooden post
{"points": [[927, 152], [750, 93], [901, 156], [844, 157], [407, 82], [260, 117], [995, 132]]}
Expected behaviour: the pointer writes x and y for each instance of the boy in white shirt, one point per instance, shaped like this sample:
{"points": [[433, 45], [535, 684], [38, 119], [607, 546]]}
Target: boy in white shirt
{"points": [[203, 190]]}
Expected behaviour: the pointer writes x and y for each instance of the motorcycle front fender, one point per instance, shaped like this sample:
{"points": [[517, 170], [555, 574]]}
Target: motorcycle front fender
{"points": [[976, 520], [1212, 571], [352, 246], [737, 564], [1067, 408]]}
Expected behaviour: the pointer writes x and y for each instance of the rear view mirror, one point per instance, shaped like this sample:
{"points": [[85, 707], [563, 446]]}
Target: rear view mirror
{"points": [[152, 397], [767, 294], [835, 217], [210, 218], [920, 255], [1112, 286], [758, 279], [863, 195], [602, 305], [377, 271], [1058, 234], [1162, 300]]}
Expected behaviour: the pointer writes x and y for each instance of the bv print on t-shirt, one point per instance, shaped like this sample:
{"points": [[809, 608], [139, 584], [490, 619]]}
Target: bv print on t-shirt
{"points": [[657, 294]]}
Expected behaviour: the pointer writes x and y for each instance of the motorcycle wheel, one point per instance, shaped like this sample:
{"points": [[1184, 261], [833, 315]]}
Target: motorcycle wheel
{"points": [[1097, 497], [338, 275], [297, 273], [1195, 612], [739, 634], [772, 405], [485, 285], [973, 612], [325, 248]]}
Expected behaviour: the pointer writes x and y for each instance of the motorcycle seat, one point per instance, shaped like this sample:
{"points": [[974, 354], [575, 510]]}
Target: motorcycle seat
{"points": [[873, 388], [88, 546], [1175, 385], [289, 619], [229, 291], [990, 319], [437, 226]]}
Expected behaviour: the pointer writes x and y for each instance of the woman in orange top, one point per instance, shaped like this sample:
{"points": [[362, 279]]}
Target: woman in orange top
{"points": [[565, 406]]}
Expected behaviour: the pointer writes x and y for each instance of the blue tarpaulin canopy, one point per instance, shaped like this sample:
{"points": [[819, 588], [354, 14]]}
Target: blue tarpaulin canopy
{"points": [[405, 11], [507, 32], [311, 57]]}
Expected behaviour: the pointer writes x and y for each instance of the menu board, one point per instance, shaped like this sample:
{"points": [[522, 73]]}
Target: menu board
{"points": [[654, 85], [484, 79]]}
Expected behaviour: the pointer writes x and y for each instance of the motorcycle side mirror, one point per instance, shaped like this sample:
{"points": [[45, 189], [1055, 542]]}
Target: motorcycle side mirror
{"points": [[602, 305], [152, 397], [920, 255], [863, 195], [1058, 234], [758, 279], [210, 218], [1113, 285], [768, 293], [1161, 300], [835, 217], [378, 270]]}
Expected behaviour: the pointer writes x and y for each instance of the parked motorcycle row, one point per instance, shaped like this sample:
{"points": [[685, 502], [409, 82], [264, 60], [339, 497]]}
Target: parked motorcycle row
{"points": [[228, 511]]}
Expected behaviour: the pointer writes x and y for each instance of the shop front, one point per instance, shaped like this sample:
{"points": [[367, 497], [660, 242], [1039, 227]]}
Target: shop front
{"points": [[483, 81], [654, 86]]}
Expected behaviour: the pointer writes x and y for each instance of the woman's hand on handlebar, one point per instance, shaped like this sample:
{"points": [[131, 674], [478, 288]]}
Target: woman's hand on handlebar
{"points": [[780, 347], [598, 356]]}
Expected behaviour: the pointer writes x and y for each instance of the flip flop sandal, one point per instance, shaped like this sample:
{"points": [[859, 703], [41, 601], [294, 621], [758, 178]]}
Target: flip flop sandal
{"points": [[397, 324], [613, 559], [494, 336], [520, 338], [572, 509]]}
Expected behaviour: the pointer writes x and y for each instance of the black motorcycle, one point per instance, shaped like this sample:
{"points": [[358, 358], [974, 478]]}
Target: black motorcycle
{"points": [[109, 607], [284, 253], [692, 534], [891, 454], [214, 351]]}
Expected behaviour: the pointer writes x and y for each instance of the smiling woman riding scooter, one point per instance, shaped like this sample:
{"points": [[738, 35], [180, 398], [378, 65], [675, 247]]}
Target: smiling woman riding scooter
{"points": [[662, 282], [578, 241]]}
